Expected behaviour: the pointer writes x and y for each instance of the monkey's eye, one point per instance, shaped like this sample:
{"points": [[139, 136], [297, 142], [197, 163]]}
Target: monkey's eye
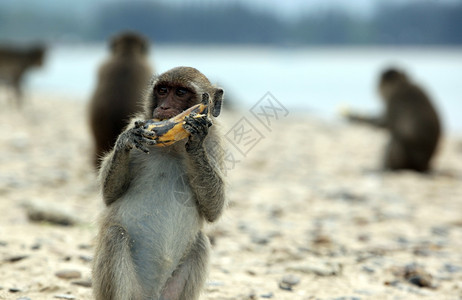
{"points": [[162, 90], [181, 92]]}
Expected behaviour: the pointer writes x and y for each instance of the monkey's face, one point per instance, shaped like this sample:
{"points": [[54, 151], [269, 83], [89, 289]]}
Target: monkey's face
{"points": [[172, 100], [177, 90]]}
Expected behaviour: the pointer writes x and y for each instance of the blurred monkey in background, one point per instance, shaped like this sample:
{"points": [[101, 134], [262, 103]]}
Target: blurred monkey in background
{"points": [[15, 62], [411, 120], [121, 83]]}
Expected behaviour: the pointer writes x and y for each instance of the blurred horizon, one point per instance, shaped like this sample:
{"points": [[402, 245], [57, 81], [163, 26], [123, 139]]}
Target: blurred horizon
{"points": [[280, 23]]}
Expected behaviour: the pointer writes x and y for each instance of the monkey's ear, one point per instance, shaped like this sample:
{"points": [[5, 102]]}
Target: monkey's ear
{"points": [[205, 98], [217, 101]]}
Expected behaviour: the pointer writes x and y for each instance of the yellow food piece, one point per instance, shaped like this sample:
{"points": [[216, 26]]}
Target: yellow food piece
{"points": [[343, 110], [171, 130]]}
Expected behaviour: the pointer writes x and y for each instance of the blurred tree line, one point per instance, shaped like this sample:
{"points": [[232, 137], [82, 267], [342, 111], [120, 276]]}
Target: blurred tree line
{"points": [[415, 23]]}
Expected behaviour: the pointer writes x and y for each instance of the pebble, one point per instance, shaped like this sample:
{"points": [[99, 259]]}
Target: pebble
{"points": [[368, 269], [267, 295], [322, 240], [421, 280], [417, 275], [68, 274], [215, 283], [422, 252], [284, 286], [364, 237], [288, 281], [440, 231], [84, 283], [36, 246], [20, 142], [84, 246], [260, 239], [85, 258], [251, 272], [252, 295], [364, 292], [392, 283], [320, 269], [406, 288], [345, 195], [414, 274], [16, 258], [14, 290], [402, 240], [64, 296], [37, 212], [450, 268]]}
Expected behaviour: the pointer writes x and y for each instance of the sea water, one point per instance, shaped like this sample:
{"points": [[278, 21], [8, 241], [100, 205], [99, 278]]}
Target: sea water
{"points": [[315, 79]]}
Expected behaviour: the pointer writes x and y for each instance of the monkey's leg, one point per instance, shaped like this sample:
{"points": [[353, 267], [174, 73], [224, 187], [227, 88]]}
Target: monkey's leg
{"points": [[114, 275], [421, 159], [188, 280], [395, 156]]}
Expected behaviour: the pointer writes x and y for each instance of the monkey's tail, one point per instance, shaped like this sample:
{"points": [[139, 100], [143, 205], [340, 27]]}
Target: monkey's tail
{"points": [[114, 274]]}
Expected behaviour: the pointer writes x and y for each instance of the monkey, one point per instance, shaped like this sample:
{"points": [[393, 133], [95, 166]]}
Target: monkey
{"points": [[411, 120], [150, 243], [15, 62], [121, 80]]}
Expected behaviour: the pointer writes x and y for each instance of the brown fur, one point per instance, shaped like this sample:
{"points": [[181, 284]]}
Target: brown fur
{"points": [[121, 81], [15, 62], [411, 120]]}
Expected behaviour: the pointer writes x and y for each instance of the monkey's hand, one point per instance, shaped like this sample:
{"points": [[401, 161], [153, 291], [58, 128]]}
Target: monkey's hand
{"points": [[136, 137], [198, 127], [376, 121]]}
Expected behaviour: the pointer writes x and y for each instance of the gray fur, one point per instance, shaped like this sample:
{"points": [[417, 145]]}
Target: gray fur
{"points": [[150, 244]]}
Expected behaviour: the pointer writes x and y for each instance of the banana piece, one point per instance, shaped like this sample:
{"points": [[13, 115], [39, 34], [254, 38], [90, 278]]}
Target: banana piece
{"points": [[170, 131]]}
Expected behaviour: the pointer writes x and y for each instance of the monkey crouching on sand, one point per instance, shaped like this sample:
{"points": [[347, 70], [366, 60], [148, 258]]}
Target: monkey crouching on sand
{"points": [[150, 243], [411, 120]]}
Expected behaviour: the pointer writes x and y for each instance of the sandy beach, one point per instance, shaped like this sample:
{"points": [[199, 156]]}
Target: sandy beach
{"points": [[309, 215]]}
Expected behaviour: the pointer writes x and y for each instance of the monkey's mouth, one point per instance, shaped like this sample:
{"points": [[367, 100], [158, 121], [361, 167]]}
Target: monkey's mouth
{"points": [[163, 115]]}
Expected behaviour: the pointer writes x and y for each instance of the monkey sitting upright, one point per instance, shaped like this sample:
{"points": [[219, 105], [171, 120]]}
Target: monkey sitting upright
{"points": [[411, 121], [150, 243], [15, 62], [121, 81]]}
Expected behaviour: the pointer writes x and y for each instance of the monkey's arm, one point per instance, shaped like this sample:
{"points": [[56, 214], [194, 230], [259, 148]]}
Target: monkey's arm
{"points": [[376, 121], [203, 170], [114, 174]]}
